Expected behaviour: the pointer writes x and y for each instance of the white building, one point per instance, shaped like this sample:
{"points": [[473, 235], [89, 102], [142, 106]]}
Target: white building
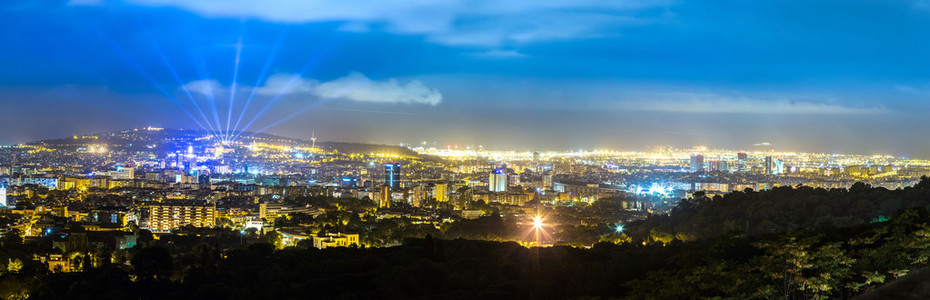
{"points": [[497, 182], [335, 240]]}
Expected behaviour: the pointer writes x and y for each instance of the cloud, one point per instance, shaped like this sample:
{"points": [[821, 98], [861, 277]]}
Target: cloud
{"points": [[353, 87], [357, 87], [499, 54], [206, 86], [286, 84], [712, 103], [456, 22]]}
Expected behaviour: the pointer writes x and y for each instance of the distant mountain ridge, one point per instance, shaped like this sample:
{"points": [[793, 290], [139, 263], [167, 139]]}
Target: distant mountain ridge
{"points": [[142, 138]]}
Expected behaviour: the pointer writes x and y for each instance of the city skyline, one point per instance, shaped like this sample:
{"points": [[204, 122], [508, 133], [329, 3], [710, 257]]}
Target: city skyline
{"points": [[464, 149], [809, 77]]}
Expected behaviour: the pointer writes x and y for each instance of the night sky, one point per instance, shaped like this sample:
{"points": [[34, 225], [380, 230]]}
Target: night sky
{"points": [[825, 76]]}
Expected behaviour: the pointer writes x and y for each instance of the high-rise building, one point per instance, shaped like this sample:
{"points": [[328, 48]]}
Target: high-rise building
{"points": [[697, 162], [384, 198], [441, 193], [774, 166], [767, 164], [497, 182], [741, 159], [392, 175], [547, 181], [2, 195], [166, 217]]}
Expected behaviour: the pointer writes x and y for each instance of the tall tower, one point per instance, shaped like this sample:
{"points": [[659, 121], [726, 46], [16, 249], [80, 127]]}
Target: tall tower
{"points": [[392, 175], [2, 195], [497, 182], [313, 140], [384, 199], [697, 162], [441, 192], [741, 159], [769, 165]]}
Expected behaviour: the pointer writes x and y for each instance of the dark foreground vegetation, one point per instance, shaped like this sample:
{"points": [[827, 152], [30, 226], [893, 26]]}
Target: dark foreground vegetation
{"points": [[846, 249]]}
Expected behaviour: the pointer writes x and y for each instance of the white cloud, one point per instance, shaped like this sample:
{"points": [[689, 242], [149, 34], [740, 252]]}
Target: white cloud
{"points": [[286, 84], [455, 22], [500, 54], [712, 103], [206, 87], [353, 87], [357, 87]]}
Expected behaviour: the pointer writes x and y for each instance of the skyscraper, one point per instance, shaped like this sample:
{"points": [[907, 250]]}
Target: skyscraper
{"points": [[2, 195], [769, 165], [741, 159], [392, 175], [697, 162], [497, 182], [441, 192], [384, 198]]}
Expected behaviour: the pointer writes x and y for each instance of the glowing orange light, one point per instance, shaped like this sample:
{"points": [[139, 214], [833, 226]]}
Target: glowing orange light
{"points": [[537, 222]]}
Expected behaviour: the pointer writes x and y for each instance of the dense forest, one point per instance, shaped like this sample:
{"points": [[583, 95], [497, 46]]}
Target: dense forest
{"points": [[778, 210], [830, 244]]}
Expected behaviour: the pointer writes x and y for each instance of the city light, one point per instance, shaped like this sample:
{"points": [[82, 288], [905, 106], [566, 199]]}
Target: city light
{"points": [[476, 150]]}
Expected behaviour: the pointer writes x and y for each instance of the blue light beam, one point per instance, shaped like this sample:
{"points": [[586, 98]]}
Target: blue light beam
{"points": [[261, 77], [151, 80], [232, 91], [316, 58]]}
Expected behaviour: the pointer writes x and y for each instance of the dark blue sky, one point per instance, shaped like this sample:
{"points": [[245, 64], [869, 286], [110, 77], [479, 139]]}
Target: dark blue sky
{"points": [[829, 76]]}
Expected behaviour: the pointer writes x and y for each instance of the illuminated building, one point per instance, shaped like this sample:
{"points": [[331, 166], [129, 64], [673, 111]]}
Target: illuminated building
{"points": [[547, 181], [2, 195], [769, 165], [384, 198], [57, 263], [269, 212], [441, 193], [774, 166], [165, 217], [497, 182], [697, 162], [392, 175], [510, 198], [741, 159], [48, 182], [335, 240], [349, 181], [123, 173]]}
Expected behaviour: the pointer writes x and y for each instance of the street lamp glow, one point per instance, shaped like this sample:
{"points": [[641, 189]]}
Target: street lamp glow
{"points": [[537, 222], [619, 228]]}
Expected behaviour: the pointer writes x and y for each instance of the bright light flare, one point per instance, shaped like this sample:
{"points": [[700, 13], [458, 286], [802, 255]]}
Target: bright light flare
{"points": [[537, 222], [619, 228]]}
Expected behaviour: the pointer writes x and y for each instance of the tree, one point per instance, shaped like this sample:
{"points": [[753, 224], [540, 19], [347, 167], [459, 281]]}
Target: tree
{"points": [[151, 263], [14, 266], [274, 238]]}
